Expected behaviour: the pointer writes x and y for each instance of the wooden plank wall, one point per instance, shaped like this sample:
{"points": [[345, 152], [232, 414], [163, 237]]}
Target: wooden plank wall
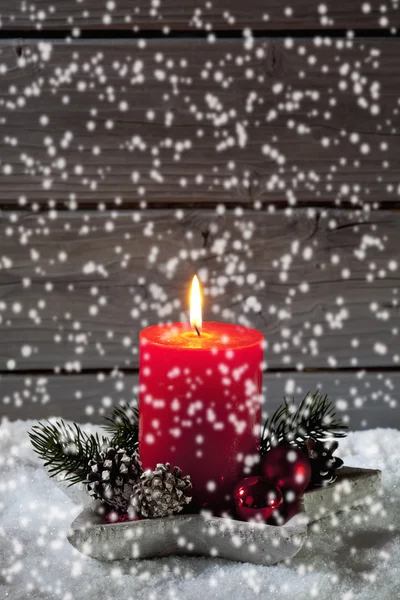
{"points": [[257, 146], [111, 121], [192, 15]]}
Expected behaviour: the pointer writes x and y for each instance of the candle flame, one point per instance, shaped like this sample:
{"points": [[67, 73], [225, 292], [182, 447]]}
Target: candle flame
{"points": [[195, 306]]}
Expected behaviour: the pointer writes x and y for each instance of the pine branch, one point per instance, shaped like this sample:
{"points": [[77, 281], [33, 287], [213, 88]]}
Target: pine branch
{"points": [[123, 426], [66, 449], [315, 417]]}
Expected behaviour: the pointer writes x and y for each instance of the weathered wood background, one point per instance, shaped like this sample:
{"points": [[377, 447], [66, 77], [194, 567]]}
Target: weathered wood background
{"points": [[258, 146], [193, 15], [105, 121]]}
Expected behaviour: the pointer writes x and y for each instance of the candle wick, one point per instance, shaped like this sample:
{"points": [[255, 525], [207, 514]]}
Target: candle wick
{"points": [[198, 332]]}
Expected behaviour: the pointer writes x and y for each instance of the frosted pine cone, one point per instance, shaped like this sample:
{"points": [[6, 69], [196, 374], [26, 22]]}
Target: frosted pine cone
{"points": [[161, 492], [112, 477]]}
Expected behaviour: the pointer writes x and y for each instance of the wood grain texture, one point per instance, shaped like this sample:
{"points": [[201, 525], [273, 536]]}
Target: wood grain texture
{"points": [[188, 121], [194, 15], [364, 400], [76, 288]]}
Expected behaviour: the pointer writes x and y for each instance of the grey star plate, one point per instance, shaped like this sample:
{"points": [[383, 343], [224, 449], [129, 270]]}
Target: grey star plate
{"points": [[196, 535]]}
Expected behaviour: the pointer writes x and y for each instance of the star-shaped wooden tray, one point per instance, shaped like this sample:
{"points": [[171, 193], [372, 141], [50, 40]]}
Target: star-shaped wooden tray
{"points": [[204, 535]]}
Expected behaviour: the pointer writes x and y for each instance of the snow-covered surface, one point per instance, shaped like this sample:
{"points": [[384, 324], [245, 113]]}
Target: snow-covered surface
{"points": [[354, 557]]}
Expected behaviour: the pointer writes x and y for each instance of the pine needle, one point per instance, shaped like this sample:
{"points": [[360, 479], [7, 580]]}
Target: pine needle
{"points": [[66, 449], [123, 426], [315, 417]]}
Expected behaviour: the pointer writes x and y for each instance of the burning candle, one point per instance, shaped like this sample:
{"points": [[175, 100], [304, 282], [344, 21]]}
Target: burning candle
{"points": [[200, 402]]}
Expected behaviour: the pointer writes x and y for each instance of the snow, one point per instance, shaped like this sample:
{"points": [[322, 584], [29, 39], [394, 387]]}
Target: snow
{"points": [[356, 556]]}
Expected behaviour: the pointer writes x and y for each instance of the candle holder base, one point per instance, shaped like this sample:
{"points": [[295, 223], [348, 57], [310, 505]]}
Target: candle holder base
{"points": [[193, 535], [202, 535]]}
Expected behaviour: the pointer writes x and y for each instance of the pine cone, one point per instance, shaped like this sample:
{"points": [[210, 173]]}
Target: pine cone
{"points": [[323, 463], [112, 477], [161, 492]]}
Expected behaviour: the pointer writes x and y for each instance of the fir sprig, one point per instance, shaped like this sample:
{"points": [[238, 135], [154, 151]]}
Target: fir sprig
{"points": [[123, 426], [66, 449], [315, 417]]}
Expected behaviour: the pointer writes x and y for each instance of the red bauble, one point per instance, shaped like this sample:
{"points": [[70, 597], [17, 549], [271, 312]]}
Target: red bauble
{"points": [[288, 467], [256, 498]]}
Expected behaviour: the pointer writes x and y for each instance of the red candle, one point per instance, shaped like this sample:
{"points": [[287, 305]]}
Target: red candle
{"points": [[200, 403]]}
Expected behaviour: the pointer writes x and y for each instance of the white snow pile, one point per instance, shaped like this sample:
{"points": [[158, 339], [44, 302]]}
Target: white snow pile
{"points": [[354, 556]]}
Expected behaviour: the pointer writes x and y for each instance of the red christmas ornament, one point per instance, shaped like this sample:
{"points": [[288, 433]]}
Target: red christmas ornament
{"points": [[288, 467], [256, 498]]}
